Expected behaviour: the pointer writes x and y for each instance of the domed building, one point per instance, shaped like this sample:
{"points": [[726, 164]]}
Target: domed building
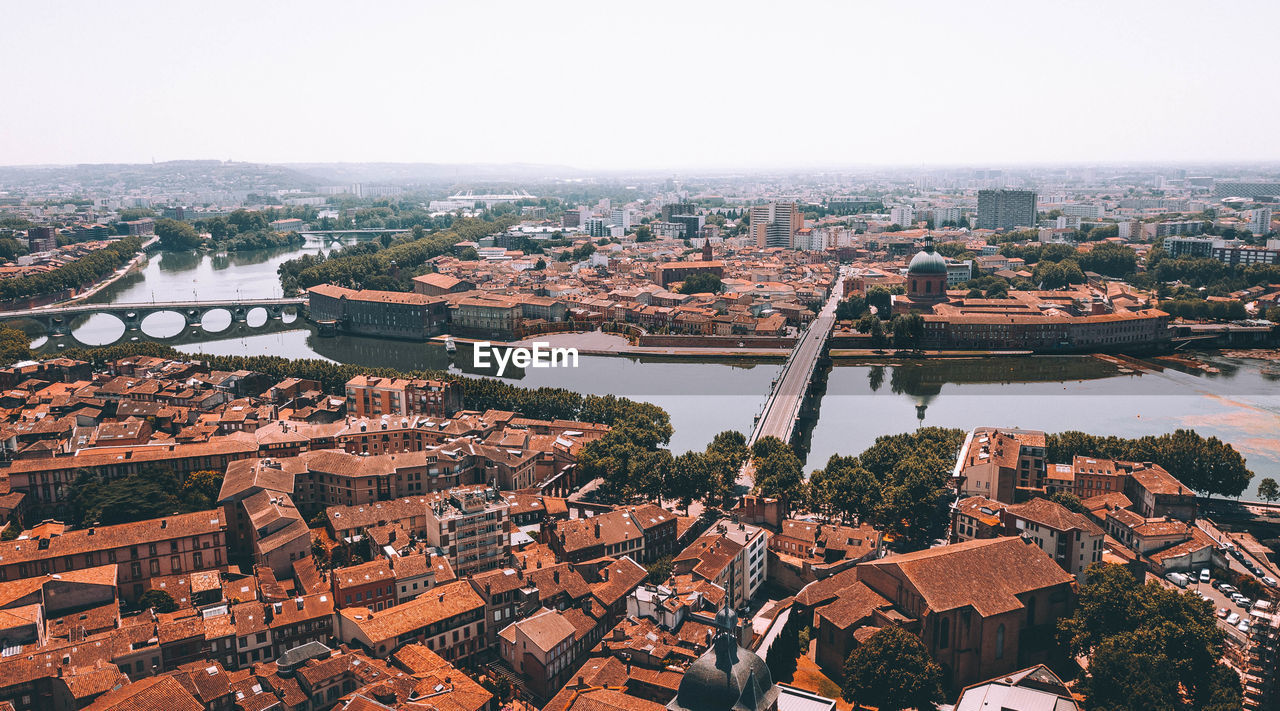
{"points": [[926, 281], [727, 677]]}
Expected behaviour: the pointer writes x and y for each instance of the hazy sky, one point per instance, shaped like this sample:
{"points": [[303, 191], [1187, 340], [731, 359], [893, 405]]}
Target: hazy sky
{"points": [[612, 85]]}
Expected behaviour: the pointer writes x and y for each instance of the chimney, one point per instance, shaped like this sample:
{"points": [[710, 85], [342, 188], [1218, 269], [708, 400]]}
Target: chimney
{"points": [[441, 597], [298, 601], [556, 576], [164, 523], [604, 574], [597, 529]]}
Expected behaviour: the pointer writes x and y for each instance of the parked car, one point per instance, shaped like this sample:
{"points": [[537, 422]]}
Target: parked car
{"points": [[1216, 583], [1270, 581], [1204, 575], [1228, 590], [1244, 602], [1222, 612], [1243, 626], [1233, 618]]}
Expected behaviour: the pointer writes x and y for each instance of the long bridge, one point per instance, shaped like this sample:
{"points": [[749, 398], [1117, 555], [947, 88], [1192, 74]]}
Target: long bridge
{"points": [[57, 321], [790, 390], [782, 409]]}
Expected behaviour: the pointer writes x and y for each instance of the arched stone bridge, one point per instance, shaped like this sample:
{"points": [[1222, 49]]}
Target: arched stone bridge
{"points": [[57, 321]]}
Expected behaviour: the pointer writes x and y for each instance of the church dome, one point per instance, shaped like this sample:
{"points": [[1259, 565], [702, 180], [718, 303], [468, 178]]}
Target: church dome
{"points": [[928, 262], [727, 677]]}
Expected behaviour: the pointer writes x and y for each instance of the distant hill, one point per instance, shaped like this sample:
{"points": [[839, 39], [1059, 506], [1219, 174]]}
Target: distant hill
{"points": [[407, 173]]}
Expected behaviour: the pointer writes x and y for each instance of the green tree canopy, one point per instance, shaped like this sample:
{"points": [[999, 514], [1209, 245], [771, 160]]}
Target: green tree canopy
{"points": [[892, 671], [1149, 646], [176, 235], [157, 600], [701, 283]]}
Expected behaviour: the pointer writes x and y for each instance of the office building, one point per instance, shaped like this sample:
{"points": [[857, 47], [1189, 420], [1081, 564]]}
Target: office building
{"points": [[1006, 209]]}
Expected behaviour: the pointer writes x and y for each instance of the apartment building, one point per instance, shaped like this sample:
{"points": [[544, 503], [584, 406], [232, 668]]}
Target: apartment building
{"points": [[449, 620], [370, 396], [140, 551], [1072, 540], [775, 224], [994, 462], [540, 649], [1006, 209], [730, 554], [470, 525]]}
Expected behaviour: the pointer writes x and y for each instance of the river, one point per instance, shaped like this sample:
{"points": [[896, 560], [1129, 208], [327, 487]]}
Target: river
{"points": [[1236, 399]]}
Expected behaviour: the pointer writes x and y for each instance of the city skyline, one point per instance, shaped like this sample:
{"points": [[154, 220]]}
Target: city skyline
{"points": [[656, 87]]}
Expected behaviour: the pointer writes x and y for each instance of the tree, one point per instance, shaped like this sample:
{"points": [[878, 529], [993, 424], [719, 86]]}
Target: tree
{"points": [[907, 331], [157, 600], [14, 346], [851, 308], [1068, 501], [644, 234], [873, 327], [880, 299], [469, 255], [176, 235], [701, 283], [1149, 646], [1268, 489], [892, 671], [540, 264], [846, 488], [201, 488], [659, 570], [779, 475]]}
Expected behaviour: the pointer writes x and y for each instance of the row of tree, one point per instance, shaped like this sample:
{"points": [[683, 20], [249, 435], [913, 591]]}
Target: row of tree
{"points": [[373, 266], [84, 271], [478, 393], [1205, 464], [898, 484]]}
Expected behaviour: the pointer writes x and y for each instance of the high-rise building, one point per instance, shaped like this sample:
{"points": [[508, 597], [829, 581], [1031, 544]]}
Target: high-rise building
{"points": [[903, 215], [1006, 209], [1260, 221], [620, 217], [678, 208], [775, 224]]}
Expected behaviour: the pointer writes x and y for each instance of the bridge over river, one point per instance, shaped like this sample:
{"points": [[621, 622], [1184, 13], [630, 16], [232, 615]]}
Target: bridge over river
{"points": [[791, 389], [58, 321]]}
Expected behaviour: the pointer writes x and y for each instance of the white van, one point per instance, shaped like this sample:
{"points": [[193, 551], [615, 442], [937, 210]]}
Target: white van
{"points": [[1177, 579]]}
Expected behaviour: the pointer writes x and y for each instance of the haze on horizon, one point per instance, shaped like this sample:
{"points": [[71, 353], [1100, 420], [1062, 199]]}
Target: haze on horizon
{"points": [[644, 86]]}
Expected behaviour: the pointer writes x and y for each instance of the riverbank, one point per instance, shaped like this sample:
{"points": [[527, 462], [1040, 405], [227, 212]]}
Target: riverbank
{"points": [[117, 275], [606, 344]]}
